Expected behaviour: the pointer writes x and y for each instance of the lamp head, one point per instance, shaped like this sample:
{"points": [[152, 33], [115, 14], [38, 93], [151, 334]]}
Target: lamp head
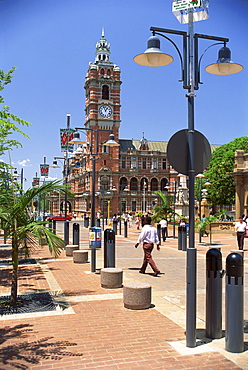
{"points": [[224, 65], [111, 141], [153, 56], [55, 164], [76, 139]]}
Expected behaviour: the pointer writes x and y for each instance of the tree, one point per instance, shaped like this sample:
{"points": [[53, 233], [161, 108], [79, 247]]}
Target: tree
{"points": [[164, 209], [21, 227], [222, 189], [8, 122]]}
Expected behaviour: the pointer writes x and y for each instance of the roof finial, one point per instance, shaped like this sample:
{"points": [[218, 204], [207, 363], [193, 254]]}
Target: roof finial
{"points": [[102, 32]]}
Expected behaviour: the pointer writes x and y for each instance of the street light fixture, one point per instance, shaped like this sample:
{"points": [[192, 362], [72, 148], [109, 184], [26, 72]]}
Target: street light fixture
{"points": [[110, 142], [190, 77]]}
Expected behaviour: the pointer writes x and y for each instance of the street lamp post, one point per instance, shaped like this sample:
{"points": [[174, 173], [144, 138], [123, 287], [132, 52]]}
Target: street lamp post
{"points": [[111, 142], [190, 66]]}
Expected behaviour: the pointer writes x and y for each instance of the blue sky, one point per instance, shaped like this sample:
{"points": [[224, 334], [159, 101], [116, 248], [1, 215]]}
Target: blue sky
{"points": [[52, 41]]}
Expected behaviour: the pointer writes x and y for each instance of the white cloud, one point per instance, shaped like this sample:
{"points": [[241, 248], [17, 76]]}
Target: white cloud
{"points": [[24, 163]]}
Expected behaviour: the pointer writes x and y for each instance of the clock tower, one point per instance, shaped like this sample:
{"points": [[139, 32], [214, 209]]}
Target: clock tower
{"points": [[102, 115]]}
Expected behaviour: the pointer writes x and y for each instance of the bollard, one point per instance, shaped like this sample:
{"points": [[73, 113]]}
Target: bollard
{"points": [[54, 226], [87, 222], [109, 248], [179, 241], [184, 238], [115, 226], [125, 229], [159, 233], [120, 226], [66, 232], [98, 222], [50, 225], [75, 235], [234, 303], [214, 275]]}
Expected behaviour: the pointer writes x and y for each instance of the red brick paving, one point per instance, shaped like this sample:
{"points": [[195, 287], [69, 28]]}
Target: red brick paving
{"points": [[101, 334]]}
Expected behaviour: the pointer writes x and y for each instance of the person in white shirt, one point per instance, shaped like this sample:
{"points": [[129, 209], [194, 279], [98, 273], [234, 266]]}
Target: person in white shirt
{"points": [[241, 229], [163, 225], [148, 236]]}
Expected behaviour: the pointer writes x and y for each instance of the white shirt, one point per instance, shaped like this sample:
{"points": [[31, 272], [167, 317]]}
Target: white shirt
{"points": [[163, 223], [148, 235], [241, 227]]}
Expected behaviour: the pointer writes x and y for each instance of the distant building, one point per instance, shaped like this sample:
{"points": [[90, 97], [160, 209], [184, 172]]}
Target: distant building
{"points": [[127, 176]]}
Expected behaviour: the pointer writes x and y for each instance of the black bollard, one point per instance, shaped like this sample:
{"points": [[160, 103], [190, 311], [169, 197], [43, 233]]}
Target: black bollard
{"points": [[234, 303], [125, 229], [120, 226], [109, 248], [54, 226], [184, 238], [87, 222], [98, 222], [115, 226], [179, 242], [159, 233], [214, 276], [75, 235], [50, 225], [66, 232]]}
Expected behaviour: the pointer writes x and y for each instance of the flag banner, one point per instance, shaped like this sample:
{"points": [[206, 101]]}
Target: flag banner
{"points": [[44, 170], [36, 181], [66, 135]]}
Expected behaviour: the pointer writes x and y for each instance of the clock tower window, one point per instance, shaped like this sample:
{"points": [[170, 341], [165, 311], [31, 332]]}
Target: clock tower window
{"points": [[105, 92]]}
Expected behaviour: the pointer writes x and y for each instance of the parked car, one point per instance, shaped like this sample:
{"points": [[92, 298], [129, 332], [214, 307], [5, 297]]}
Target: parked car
{"points": [[59, 218]]}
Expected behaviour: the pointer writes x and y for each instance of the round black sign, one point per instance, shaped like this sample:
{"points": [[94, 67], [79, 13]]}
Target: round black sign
{"points": [[178, 152]]}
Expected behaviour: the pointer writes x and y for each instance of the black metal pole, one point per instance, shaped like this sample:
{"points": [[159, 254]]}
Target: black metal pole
{"points": [[191, 251], [93, 207]]}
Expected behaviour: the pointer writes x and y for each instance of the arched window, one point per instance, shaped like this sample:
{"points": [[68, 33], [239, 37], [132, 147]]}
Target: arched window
{"points": [[164, 184], [108, 72], [102, 71], [154, 184], [105, 92], [123, 183], [134, 184]]}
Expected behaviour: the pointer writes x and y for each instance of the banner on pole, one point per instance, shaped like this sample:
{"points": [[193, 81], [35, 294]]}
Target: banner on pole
{"points": [[36, 181], [66, 135], [44, 170], [181, 8]]}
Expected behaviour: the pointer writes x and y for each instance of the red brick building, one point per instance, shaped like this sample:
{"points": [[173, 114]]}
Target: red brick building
{"points": [[126, 175]]}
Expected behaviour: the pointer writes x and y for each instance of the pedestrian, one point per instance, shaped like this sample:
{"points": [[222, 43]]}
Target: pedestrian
{"points": [[137, 221], [203, 220], [163, 225], [149, 237], [241, 229], [130, 220]]}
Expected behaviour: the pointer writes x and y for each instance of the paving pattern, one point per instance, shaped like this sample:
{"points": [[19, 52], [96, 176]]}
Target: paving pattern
{"points": [[91, 329]]}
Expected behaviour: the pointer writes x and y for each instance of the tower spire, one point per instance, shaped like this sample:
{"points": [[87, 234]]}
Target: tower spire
{"points": [[103, 50]]}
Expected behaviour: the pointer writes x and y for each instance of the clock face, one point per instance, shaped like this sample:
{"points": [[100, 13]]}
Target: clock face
{"points": [[105, 111]]}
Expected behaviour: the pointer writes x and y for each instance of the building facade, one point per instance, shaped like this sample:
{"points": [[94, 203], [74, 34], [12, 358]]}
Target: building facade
{"points": [[126, 176]]}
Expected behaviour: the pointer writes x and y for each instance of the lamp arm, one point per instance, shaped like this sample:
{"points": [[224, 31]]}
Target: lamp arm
{"points": [[182, 58], [198, 64]]}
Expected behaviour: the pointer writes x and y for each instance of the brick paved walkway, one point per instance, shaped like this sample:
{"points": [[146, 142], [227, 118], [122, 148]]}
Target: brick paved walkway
{"points": [[95, 330]]}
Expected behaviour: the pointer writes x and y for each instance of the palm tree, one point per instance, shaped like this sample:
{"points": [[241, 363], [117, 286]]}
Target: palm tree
{"points": [[26, 233], [165, 208]]}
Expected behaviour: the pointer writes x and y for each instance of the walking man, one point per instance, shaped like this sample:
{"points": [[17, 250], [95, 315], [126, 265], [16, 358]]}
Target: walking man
{"points": [[241, 229], [148, 236], [163, 225]]}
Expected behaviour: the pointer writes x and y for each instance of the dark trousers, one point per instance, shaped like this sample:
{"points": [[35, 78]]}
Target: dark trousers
{"points": [[240, 239], [147, 248], [164, 233]]}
